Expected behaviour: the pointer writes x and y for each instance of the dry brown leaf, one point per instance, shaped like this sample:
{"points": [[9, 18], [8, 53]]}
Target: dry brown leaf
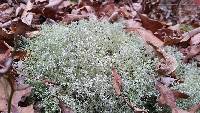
{"points": [[195, 40], [84, 3], [4, 93], [150, 24], [27, 16], [64, 108], [180, 95], [6, 12], [18, 94], [20, 28], [193, 51], [133, 106], [190, 34], [117, 81], [166, 95], [169, 36], [131, 24], [53, 3], [68, 18], [28, 109], [149, 37], [113, 17]]}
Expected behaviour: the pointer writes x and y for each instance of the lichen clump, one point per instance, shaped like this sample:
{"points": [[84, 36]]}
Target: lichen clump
{"points": [[78, 58], [189, 73]]}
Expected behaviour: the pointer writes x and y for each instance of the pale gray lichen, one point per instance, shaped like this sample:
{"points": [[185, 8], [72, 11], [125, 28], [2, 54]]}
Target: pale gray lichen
{"points": [[79, 57], [190, 74]]}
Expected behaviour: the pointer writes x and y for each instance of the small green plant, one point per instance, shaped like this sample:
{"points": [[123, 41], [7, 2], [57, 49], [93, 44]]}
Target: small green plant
{"points": [[78, 58]]}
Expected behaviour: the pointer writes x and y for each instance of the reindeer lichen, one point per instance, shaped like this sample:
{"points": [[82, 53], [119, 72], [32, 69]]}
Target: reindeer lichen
{"points": [[78, 59]]}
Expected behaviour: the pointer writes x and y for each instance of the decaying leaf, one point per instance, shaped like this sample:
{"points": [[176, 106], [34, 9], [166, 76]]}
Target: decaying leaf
{"points": [[117, 82], [64, 108], [5, 91], [167, 64], [133, 106], [68, 18], [193, 51], [190, 34], [169, 36], [27, 16], [53, 3], [28, 109], [168, 97], [149, 37], [5, 57], [151, 24]]}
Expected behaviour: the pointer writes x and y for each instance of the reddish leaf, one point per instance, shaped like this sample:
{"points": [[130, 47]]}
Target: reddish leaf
{"points": [[180, 95], [169, 36], [28, 109], [166, 95], [193, 51], [117, 81], [149, 37], [134, 107], [151, 24], [64, 108], [197, 2]]}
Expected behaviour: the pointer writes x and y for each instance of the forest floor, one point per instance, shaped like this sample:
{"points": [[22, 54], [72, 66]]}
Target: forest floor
{"points": [[159, 22]]}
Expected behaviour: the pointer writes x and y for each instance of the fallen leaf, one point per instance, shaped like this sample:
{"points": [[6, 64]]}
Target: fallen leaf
{"points": [[53, 3], [180, 95], [117, 81], [197, 2], [190, 34], [166, 95], [170, 37], [64, 108], [4, 93], [167, 64], [195, 40], [27, 16], [149, 37], [20, 28], [28, 109], [150, 24], [68, 18], [193, 51], [5, 57], [134, 107]]}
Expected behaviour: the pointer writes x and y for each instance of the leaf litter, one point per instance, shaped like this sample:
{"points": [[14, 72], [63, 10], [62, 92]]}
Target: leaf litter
{"points": [[144, 17]]}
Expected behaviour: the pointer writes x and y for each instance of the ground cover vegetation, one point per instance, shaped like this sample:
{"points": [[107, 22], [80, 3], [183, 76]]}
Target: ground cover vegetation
{"points": [[96, 56]]}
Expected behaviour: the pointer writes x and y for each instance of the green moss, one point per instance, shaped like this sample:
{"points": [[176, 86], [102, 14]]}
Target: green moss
{"points": [[79, 57], [185, 27]]}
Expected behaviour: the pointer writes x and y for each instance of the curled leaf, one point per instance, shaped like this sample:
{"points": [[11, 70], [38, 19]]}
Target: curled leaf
{"points": [[117, 81]]}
